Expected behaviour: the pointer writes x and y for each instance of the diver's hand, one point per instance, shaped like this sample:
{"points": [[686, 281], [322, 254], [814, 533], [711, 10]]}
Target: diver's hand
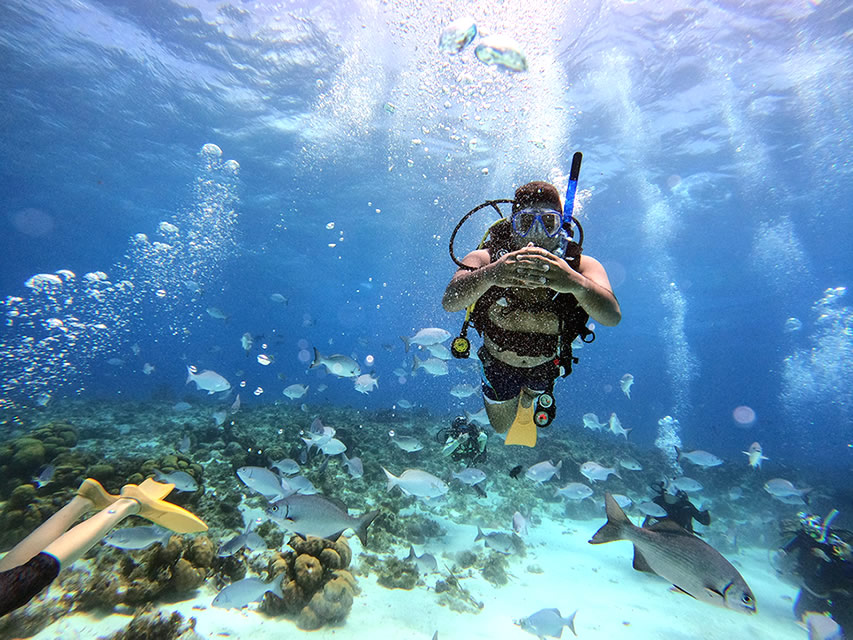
{"points": [[537, 267], [515, 269]]}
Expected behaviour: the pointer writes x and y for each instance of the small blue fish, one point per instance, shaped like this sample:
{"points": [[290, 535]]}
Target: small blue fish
{"points": [[45, 477]]}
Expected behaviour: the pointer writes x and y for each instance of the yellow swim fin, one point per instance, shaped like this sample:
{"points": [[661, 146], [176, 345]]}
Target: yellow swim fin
{"points": [[92, 490], [152, 507], [523, 429]]}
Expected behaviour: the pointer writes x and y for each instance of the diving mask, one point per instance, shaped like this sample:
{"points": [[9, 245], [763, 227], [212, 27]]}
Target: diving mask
{"points": [[524, 220]]}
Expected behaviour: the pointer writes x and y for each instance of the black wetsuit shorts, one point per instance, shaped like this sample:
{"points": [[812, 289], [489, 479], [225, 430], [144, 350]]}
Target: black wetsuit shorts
{"points": [[503, 382], [21, 584]]}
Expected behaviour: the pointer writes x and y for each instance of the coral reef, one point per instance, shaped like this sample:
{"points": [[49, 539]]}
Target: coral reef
{"points": [[179, 567], [392, 573], [318, 589], [151, 625]]}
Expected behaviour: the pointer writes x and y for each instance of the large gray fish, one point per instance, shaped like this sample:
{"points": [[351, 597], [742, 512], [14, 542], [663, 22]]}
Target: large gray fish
{"points": [[689, 563], [316, 515]]}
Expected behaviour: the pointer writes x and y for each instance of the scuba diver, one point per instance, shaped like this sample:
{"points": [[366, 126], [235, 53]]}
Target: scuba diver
{"points": [[678, 508], [529, 293], [820, 561], [463, 441]]}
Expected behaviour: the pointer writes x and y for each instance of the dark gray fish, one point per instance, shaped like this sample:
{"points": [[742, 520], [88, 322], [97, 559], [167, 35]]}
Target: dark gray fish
{"points": [[248, 539], [354, 466], [316, 515], [685, 560], [497, 540], [547, 622]]}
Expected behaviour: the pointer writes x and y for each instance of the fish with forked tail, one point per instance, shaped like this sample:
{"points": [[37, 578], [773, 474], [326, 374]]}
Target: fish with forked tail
{"points": [[689, 563]]}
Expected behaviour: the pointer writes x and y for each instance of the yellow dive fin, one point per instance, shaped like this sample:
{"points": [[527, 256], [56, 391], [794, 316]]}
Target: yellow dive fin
{"points": [[152, 507], [523, 429]]}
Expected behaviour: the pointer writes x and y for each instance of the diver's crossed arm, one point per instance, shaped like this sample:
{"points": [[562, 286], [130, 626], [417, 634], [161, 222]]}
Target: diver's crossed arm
{"points": [[593, 293]]}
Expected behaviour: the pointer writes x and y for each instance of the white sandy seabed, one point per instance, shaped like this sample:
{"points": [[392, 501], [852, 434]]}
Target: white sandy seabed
{"points": [[612, 600]]}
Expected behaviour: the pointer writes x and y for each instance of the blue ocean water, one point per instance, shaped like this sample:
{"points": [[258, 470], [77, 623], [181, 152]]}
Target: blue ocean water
{"points": [[715, 189]]}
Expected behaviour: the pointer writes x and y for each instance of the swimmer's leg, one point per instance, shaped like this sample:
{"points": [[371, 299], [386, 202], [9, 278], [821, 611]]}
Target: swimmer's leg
{"points": [[501, 413], [91, 495], [76, 542]]}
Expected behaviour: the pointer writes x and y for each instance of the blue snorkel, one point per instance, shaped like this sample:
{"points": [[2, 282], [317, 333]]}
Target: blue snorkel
{"points": [[569, 206]]}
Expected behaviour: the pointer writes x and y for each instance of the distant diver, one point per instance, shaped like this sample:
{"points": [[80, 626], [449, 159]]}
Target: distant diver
{"points": [[678, 508], [529, 292], [818, 558]]}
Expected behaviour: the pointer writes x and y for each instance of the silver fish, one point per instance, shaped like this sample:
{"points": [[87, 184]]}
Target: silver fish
{"points": [[295, 391], [625, 383], [627, 462], [238, 594], [683, 483], [698, 457], [248, 539], [208, 380], [683, 559], [416, 482], [407, 443], [543, 471], [547, 622], [425, 562], [354, 466], [595, 472], [616, 427], [316, 515], [301, 484], [287, 466], [366, 382], [519, 524], [181, 479], [432, 366], [651, 509], [781, 488], [463, 390], [755, 455], [574, 491], [135, 538], [426, 337], [591, 421], [336, 364], [498, 540], [263, 481], [470, 476]]}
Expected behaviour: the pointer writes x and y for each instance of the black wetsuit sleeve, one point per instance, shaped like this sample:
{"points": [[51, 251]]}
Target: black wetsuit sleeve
{"points": [[702, 517], [20, 585]]}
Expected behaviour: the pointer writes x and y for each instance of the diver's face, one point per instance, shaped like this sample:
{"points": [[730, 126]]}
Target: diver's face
{"points": [[536, 234]]}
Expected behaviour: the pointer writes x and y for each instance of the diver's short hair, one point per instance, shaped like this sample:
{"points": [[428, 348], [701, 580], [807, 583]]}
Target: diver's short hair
{"points": [[537, 193]]}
